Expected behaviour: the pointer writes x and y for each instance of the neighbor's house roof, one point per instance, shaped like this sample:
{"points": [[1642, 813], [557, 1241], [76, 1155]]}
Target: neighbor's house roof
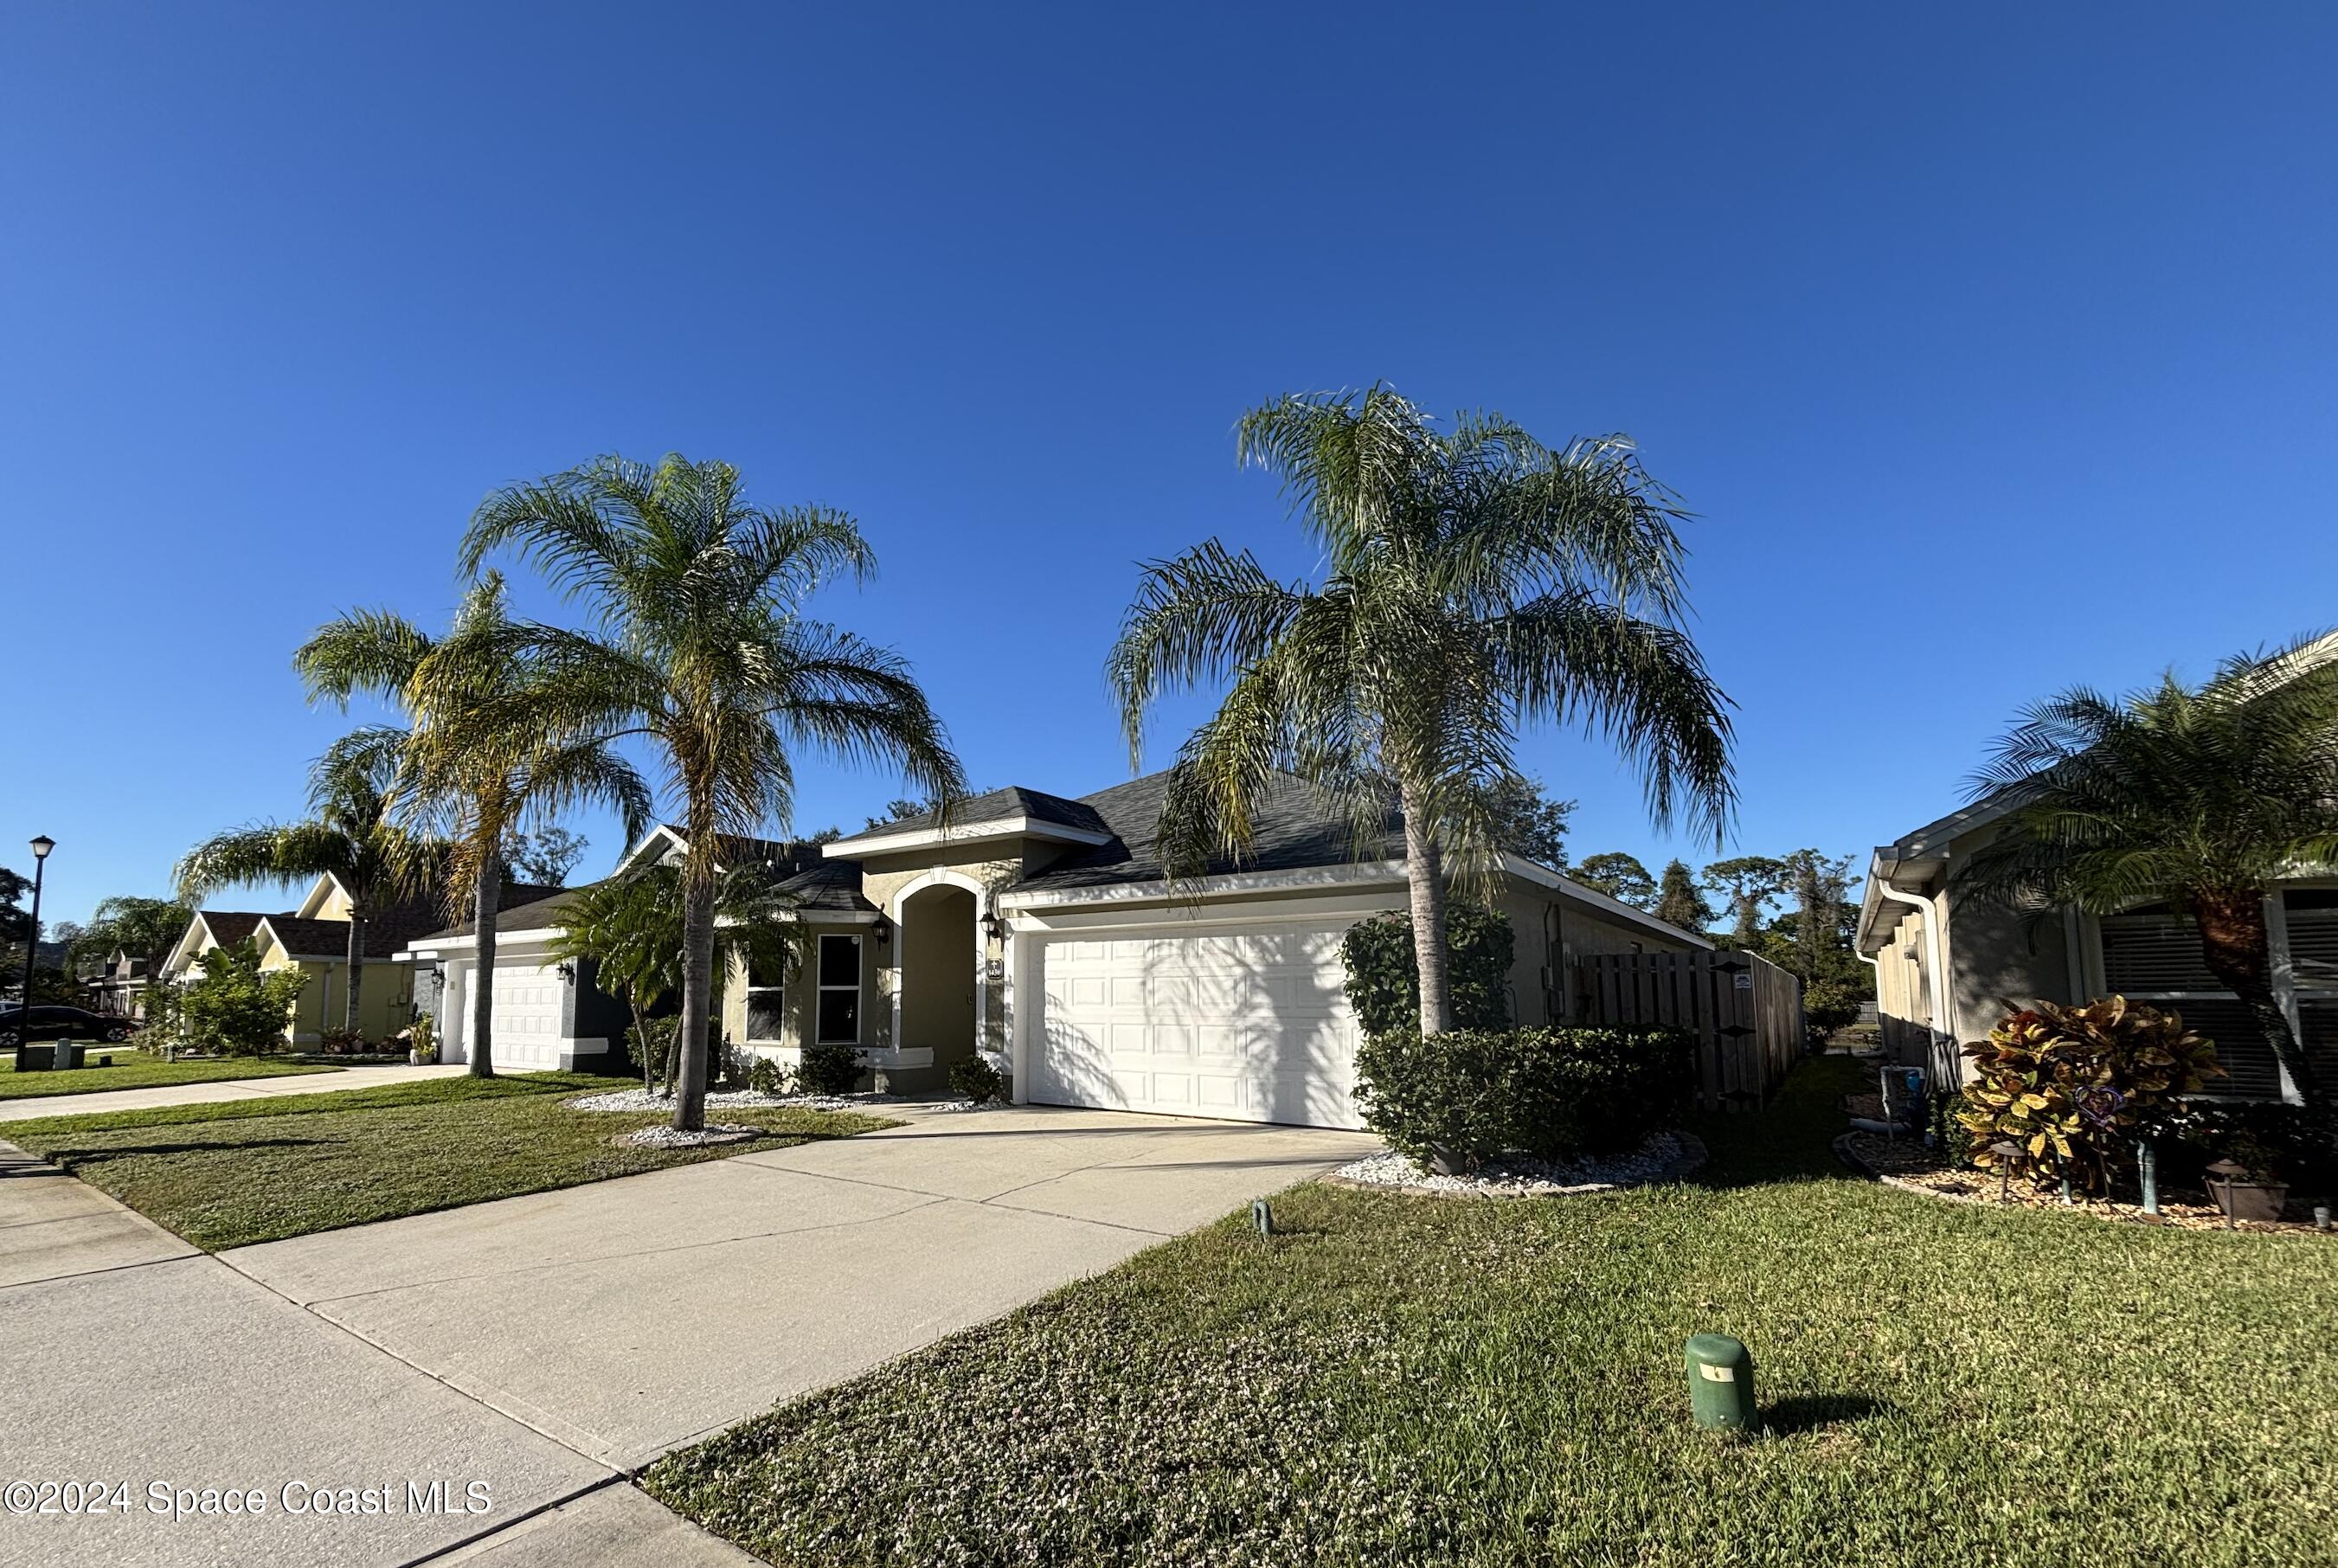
{"points": [[303, 938], [225, 927], [1910, 861], [1291, 827]]}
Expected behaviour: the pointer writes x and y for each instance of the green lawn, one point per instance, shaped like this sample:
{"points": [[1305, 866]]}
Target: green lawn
{"points": [[1409, 1380], [262, 1170], [133, 1069]]}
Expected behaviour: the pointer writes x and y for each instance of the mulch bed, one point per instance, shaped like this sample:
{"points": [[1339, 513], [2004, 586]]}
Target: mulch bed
{"points": [[1905, 1163]]}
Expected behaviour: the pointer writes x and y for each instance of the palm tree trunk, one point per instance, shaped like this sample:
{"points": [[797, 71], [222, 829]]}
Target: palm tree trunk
{"points": [[357, 965], [488, 901], [641, 1041], [1424, 871], [697, 993], [2239, 953]]}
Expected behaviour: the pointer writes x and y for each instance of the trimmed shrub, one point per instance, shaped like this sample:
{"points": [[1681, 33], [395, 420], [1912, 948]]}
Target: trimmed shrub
{"points": [[2072, 1088], [1384, 978], [976, 1079], [1476, 1095], [829, 1069], [766, 1076]]}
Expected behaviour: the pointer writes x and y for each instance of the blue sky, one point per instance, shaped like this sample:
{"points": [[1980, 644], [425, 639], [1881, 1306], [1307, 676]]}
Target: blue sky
{"points": [[1994, 345]]}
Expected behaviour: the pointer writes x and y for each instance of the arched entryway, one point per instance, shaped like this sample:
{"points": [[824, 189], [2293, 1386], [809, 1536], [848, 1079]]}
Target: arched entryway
{"points": [[940, 971]]}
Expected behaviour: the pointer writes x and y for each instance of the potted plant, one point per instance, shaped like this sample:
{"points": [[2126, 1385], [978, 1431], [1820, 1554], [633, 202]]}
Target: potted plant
{"points": [[421, 1039], [2245, 1183]]}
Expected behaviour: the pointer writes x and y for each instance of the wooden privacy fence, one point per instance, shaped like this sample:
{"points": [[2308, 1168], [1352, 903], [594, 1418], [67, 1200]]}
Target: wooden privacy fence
{"points": [[1744, 1013]]}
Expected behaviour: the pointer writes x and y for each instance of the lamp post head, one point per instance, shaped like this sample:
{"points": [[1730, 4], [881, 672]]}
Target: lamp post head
{"points": [[41, 846]]}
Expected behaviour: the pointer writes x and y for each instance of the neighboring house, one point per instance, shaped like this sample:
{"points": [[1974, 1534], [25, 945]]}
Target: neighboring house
{"points": [[547, 1014], [1040, 931], [315, 939], [117, 987], [1948, 967]]}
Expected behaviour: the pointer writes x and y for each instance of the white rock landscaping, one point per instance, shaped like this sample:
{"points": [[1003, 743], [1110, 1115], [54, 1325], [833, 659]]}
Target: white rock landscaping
{"points": [[1664, 1157]]}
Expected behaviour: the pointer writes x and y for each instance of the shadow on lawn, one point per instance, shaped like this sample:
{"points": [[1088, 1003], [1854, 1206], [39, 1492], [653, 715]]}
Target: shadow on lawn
{"points": [[73, 1159], [1813, 1412], [1791, 1138]]}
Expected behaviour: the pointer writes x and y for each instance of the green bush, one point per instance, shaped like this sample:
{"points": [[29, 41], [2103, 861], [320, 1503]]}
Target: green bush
{"points": [[2069, 1089], [1384, 978], [1475, 1094], [2291, 1143], [1830, 1004], [829, 1069], [235, 1008], [976, 1079], [1951, 1136], [766, 1076]]}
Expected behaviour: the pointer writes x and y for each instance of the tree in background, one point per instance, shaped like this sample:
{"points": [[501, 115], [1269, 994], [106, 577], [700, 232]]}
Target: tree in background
{"points": [[1819, 882], [147, 929], [1680, 902], [1527, 821], [1747, 886], [702, 650], [546, 857], [478, 765], [15, 920], [348, 836], [2203, 797], [1476, 580], [1619, 876]]}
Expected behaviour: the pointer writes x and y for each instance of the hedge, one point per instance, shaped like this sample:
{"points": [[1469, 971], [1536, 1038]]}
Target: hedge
{"points": [[1476, 1095]]}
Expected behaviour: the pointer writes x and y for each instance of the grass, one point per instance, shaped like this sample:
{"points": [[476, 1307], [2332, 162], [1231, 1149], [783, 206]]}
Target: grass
{"points": [[252, 1171], [133, 1069], [1423, 1381]]}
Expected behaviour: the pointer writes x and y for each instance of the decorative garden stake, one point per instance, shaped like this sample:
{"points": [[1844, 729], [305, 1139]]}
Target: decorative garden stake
{"points": [[2147, 1170], [1261, 1216], [1720, 1383], [2064, 1167]]}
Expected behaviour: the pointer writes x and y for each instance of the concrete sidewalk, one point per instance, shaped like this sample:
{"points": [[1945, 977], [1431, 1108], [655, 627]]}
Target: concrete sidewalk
{"points": [[549, 1344], [218, 1090]]}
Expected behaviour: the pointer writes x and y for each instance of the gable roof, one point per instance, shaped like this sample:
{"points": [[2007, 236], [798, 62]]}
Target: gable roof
{"points": [[303, 938], [1014, 803]]}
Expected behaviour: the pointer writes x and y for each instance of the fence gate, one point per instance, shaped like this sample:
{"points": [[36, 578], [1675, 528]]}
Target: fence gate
{"points": [[1744, 1013]]}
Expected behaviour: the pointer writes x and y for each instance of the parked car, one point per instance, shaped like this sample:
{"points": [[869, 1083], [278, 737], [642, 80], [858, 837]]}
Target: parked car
{"points": [[55, 1022]]}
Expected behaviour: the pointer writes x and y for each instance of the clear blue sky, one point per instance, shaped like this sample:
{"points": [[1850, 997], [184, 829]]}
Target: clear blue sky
{"points": [[1993, 344]]}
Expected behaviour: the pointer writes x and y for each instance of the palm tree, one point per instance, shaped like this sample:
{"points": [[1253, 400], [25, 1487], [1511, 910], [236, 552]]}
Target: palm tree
{"points": [[2203, 797], [1475, 580], [478, 764], [350, 835], [701, 648], [631, 927]]}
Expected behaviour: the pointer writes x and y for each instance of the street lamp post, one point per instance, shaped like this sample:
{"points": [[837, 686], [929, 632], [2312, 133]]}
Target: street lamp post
{"points": [[41, 847]]}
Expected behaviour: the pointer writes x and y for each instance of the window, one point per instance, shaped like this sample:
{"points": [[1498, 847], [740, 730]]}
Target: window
{"points": [[767, 1000], [837, 1020]]}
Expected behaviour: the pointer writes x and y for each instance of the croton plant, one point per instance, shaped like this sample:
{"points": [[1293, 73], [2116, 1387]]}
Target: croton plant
{"points": [[2071, 1088]]}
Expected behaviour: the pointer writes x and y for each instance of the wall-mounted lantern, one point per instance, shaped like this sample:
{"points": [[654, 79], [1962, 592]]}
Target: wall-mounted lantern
{"points": [[994, 928], [882, 929]]}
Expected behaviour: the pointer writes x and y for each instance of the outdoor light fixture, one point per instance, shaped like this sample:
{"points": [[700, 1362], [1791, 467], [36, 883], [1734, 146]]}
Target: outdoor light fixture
{"points": [[2007, 1153], [994, 927], [41, 847], [881, 928], [568, 972]]}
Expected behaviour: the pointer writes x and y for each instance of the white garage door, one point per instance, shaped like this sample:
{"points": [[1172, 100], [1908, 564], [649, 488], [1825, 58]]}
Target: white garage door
{"points": [[527, 1015], [1246, 1023]]}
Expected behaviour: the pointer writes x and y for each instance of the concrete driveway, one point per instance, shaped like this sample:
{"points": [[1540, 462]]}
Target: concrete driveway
{"points": [[550, 1343]]}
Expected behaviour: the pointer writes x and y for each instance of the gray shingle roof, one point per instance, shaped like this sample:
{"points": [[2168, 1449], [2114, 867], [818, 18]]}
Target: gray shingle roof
{"points": [[1294, 829], [999, 806]]}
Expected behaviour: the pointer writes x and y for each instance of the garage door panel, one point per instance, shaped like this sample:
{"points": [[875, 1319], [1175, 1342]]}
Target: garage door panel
{"points": [[1250, 1023]]}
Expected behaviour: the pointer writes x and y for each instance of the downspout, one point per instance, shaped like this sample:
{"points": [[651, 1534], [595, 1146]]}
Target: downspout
{"points": [[1942, 1022]]}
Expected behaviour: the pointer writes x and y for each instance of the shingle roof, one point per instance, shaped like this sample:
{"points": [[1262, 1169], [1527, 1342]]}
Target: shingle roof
{"points": [[311, 938], [832, 885], [1293, 827], [997, 806], [229, 926]]}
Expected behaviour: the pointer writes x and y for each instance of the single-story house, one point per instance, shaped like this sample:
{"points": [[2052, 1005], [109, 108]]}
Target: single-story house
{"points": [[116, 987], [315, 939], [1948, 967], [1041, 931]]}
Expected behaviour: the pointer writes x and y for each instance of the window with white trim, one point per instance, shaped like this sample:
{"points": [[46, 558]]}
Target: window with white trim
{"points": [[836, 1003], [2153, 955]]}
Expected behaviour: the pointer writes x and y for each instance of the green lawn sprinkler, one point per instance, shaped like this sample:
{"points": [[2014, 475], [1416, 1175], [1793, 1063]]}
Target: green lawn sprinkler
{"points": [[1720, 1383], [1263, 1216]]}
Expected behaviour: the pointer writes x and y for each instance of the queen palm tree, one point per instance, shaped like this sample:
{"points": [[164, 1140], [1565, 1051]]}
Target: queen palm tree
{"points": [[1475, 579], [478, 765], [2203, 797], [631, 927], [700, 647], [349, 835]]}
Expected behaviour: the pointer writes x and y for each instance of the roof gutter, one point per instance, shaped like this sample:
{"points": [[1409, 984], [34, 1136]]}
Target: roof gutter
{"points": [[1939, 1000]]}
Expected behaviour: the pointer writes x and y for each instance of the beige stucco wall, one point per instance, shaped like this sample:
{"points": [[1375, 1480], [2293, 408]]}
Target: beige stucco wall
{"points": [[1542, 945], [797, 998]]}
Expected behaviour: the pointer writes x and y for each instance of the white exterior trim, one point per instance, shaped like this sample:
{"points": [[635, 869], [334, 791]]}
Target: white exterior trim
{"points": [[1519, 866], [1370, 873], [883, 843]]}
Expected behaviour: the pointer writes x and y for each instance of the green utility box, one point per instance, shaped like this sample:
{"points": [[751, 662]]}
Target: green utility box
{"points": [[1720, 1382]]}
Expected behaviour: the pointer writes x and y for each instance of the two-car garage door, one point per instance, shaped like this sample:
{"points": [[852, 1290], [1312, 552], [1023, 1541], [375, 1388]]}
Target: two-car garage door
{"points": [[1246, 1023]]}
